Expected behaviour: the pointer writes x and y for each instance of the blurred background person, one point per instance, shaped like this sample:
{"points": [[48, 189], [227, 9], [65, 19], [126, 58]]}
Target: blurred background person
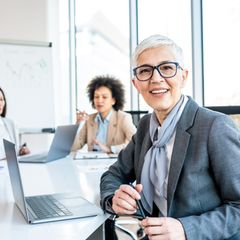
{"points": [[8, 129], [109, 129]]}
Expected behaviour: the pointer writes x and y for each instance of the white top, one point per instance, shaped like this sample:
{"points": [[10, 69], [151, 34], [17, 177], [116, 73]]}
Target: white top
{"points": [[3, 134], [102, 130]]}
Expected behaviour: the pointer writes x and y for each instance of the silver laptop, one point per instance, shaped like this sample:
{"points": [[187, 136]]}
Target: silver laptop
{"points": [[45, 208], [60, 147]]}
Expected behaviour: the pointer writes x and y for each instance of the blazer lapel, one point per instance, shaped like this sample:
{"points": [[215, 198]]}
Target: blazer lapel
{"points": [[178, 156], [146, 144], [94, 127], [112, 128], [180, 149]]}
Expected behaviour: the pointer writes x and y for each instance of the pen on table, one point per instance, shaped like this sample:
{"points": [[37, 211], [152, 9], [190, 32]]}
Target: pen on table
{"points": [[139, 204]]}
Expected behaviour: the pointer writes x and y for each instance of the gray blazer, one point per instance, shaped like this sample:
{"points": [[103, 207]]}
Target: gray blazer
{"points": [[204, 176]]}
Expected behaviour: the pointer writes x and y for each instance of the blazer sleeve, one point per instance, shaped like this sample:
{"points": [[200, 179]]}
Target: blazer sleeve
{"points": [[80, 139], [128, 166], [128, 129], [122, 171], [223, 221]]}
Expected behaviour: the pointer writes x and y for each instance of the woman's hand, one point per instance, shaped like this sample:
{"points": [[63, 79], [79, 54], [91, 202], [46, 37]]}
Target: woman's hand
{"points": [[24, 150], [124, 199], [103, 147], [81, 116], [163, 228]]}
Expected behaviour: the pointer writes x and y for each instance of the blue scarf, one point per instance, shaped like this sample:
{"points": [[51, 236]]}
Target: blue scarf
{"points": [[155, 168]]}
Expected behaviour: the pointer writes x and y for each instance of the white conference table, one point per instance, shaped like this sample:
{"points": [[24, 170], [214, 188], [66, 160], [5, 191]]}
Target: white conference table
{"points": [[65, 175]]}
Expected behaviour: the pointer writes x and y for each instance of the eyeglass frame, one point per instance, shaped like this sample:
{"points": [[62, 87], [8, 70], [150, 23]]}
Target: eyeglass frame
{"points": [[157, 68]]}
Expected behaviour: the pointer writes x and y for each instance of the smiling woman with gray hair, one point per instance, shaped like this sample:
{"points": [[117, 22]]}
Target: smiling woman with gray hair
{"points": [[184, 158]]}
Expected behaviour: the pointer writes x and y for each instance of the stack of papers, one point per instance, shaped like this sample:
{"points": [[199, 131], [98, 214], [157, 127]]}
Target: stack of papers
{"points": [[93, 155]]}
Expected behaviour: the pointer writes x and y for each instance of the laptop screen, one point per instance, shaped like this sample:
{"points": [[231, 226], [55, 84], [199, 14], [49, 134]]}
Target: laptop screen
{"points": [[15, 177], [46, 208], [62, 141]]}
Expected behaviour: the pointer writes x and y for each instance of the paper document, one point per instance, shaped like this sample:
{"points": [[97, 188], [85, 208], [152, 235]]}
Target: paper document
{"points": [[93, 155]]}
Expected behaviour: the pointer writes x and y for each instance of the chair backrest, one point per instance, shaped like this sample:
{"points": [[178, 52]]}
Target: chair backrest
{"points": [[136, 115], [236, 119], [232, 111]]}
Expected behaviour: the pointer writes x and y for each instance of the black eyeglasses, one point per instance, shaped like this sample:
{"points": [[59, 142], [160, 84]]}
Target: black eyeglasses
{"points": [[165, 69]]}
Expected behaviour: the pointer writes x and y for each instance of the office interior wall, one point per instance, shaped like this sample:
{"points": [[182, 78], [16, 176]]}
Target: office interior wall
{"points": [[31, 20], [38, 20], [23, 20]]}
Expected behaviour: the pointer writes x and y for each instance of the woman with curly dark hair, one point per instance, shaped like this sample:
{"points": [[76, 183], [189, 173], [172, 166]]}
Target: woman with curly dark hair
{"points": [[109, 129]]}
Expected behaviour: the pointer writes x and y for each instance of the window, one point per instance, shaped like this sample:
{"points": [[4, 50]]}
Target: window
{"points": [[221, 20], [102, 44], [103, 40], [62, 86], [171, 18]]}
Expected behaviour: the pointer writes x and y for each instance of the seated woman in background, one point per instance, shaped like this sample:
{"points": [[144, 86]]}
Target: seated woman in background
{"points": [[109, 129], [8, 129]]}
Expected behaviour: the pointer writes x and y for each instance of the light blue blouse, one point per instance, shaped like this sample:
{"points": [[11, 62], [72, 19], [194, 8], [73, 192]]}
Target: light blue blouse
{"points": [[102, 131]]}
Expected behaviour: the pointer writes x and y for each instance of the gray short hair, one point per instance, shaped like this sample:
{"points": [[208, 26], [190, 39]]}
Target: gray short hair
{"points": [[155, 41]]}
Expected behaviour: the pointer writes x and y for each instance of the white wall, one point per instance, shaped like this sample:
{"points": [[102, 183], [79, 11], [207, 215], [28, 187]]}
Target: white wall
{"points": [[37, 20], [24, 20]]}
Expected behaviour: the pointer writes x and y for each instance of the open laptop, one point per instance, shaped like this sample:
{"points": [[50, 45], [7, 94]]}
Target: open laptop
{"points": [[45, 208], [60, 146]]}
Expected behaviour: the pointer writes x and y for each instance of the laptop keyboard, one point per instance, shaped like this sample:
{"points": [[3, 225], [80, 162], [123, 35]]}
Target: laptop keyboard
{"points": [[47, 207]]}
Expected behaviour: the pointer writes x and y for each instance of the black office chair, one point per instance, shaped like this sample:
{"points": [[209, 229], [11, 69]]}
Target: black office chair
{"points": [[232, 111], [136, 115]]}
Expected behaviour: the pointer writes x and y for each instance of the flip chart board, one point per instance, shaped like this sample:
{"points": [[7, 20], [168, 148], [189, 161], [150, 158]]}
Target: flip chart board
{"points": [[26, 78]]}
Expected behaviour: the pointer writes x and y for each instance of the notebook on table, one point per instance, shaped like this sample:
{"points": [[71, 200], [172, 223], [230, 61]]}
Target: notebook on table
{"points": [[93, 155], [60, 147], [45, 208]]}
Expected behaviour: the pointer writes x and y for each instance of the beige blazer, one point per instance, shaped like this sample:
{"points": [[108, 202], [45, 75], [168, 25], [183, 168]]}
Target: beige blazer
{"points": [[120, 131]]}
